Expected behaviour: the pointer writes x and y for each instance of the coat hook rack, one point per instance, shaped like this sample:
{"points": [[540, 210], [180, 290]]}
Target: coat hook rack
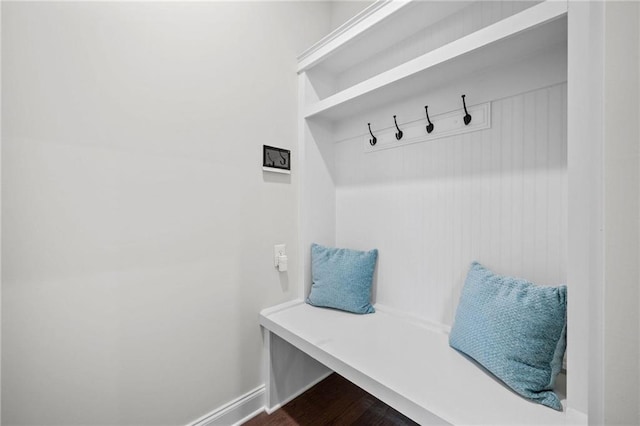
{"points": [[430, 125], [399, 134], [467, 116], [373, 139]]}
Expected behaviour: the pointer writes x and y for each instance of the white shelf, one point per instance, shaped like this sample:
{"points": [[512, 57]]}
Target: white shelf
{"points": [[275, 170], [506, 41], [373, 30]]}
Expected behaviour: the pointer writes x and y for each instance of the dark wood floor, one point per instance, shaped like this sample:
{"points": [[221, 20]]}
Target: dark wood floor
{"points": [[334, 401]]}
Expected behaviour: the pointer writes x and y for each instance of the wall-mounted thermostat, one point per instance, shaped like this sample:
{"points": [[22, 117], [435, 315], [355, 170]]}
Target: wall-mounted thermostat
{"points": [[276, 159]]}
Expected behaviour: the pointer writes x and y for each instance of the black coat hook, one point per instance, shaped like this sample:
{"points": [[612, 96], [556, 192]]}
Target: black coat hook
{"points": [[430, 125], [399, 134], [467, 116], [374, 140]]}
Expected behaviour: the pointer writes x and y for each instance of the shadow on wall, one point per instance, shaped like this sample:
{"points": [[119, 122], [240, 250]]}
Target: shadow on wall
{"points": [[272, 177]]}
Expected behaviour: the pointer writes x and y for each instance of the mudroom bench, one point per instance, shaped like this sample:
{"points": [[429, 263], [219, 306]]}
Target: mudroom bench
{"points": [[404, 362], [441, 133]]}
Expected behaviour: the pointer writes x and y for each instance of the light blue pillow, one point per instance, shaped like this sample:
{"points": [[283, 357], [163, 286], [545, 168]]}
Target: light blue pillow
{"points": [[515, 329], [342, 278]]}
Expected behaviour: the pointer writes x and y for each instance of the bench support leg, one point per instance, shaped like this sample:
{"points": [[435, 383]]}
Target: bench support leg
{"points": [[288, 371]]}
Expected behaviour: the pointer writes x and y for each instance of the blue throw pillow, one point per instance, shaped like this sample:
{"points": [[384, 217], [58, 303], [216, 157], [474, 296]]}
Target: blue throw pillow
{"points": [[342, 278], [515, 329]]}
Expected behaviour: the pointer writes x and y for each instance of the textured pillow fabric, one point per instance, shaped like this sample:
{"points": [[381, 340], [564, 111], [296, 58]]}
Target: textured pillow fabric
{"points": [[515, 329], [342, 278]]}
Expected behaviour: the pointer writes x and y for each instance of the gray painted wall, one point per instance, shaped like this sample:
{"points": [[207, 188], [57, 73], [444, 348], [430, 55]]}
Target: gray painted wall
{"points": [[138, 225], [342, 11]]}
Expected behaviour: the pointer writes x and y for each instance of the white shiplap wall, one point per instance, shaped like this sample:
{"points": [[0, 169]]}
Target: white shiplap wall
{"points": [[497, 196]]}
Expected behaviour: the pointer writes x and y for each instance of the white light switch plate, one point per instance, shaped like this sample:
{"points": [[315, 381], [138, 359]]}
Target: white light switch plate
{"points": [[278, 250]]}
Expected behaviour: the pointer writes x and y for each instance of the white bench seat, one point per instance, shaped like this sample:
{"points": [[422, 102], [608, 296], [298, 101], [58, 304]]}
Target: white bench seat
{"points": [[408, 365]]}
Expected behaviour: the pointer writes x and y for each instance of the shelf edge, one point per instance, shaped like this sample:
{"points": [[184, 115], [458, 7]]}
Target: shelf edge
{"points": [[351, 29]]}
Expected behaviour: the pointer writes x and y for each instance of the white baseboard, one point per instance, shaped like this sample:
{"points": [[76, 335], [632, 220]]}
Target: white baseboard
{"points": [[235, 412]]}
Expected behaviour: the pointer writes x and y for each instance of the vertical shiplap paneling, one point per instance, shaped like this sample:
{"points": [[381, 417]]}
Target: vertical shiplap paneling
{"points": [[529, 181], [506, 180], [516, 139], [564, 196], [494, 217], [541, 238], [554, 248], [497, 196]]}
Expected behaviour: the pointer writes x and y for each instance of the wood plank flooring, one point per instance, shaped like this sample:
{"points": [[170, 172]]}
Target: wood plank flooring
{"points": [[334, 401]]}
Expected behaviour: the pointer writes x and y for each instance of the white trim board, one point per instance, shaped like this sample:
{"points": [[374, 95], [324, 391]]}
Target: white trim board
{"points": [[235, 412]]}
